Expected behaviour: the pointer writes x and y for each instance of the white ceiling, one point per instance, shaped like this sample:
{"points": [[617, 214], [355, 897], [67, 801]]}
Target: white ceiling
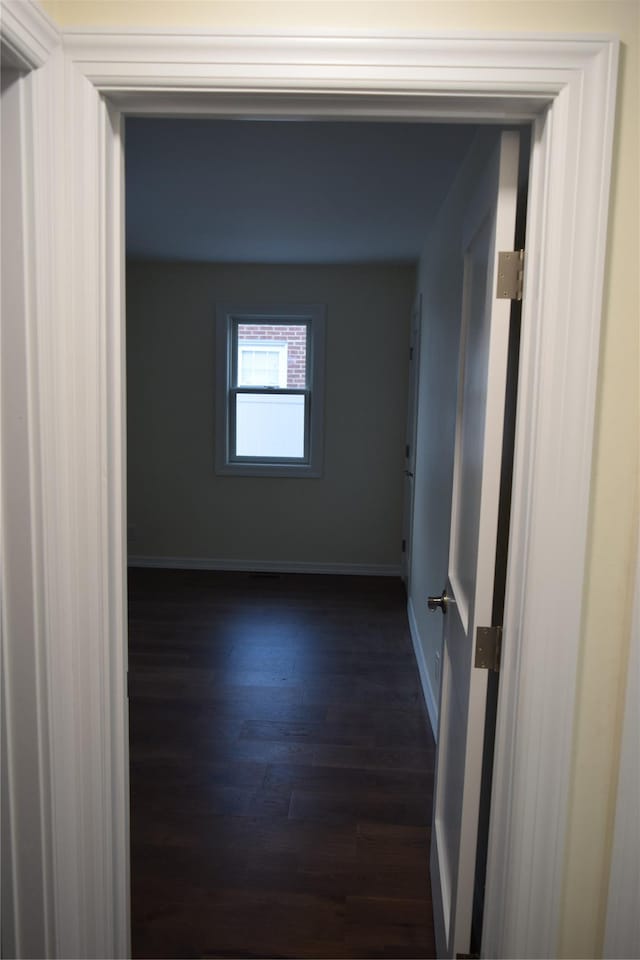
{"points": [[285, 192]]}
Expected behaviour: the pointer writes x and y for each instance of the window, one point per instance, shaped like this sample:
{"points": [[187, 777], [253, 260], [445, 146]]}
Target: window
{"points": [[269, 394], [261, 364]]}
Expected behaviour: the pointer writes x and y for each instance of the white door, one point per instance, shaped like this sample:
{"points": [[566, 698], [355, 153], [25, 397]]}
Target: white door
{"points": [[468, 594], [410, 437]]}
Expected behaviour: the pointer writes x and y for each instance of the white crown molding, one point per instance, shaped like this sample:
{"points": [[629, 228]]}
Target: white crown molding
{"points": [[27, 34]]}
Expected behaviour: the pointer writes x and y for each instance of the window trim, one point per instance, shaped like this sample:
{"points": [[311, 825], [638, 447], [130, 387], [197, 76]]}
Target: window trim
{"points": [[228, 316]]}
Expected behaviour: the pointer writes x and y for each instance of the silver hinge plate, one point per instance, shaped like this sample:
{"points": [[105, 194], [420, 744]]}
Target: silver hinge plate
{"points": [[510, 275], [488, 648]]}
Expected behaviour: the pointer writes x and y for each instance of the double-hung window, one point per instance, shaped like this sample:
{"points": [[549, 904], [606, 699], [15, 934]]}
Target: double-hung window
{"points": [[269, 396]]}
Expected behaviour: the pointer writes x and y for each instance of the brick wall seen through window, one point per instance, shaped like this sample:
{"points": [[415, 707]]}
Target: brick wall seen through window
{"points": [[294, 335]]}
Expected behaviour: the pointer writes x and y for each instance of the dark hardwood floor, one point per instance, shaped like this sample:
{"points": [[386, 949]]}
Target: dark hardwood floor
{"points": [[281, 768]]}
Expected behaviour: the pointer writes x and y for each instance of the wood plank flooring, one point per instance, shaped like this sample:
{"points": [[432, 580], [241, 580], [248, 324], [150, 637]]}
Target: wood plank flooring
{"points": [[281, 768]]}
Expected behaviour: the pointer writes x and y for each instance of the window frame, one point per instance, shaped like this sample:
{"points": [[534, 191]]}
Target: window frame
{"points": [[228, 317]]}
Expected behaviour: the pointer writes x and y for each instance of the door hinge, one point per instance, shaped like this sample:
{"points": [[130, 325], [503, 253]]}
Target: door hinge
{"points": [[488, 648], [510, 275], [404, 546], [407, 451]]}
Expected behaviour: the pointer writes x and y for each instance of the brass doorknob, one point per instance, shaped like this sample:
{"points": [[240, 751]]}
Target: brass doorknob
{"points": [[439, 603]]}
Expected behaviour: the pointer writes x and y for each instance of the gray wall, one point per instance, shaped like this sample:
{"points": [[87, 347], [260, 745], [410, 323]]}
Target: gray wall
{"points": [[177, 506]]}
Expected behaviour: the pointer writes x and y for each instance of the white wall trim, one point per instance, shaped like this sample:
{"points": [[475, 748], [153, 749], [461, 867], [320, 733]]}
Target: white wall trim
{"points": [[28, 35], [86, 689], [267, 566], [430, 698], [568, 84], [27, 38], [542, 630], [27, 883]]}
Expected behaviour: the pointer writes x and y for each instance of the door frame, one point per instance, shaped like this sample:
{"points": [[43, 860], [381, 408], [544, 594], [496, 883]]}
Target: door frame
{"points": [[79, 94], [27, 874]]}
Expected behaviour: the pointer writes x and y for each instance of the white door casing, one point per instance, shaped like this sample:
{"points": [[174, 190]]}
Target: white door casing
{"points": [[489, 227], [566, 87], [25, 863], [26, 872]]}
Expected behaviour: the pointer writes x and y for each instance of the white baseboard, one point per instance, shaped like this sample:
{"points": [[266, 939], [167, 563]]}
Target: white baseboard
{"points": [[430, 699], [266, 566]]}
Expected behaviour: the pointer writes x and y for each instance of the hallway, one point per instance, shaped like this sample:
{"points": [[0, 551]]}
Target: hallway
{"points": [[281, 768]]}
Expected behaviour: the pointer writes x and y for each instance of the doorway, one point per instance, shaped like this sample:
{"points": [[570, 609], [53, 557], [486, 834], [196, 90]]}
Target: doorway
{"points": [[572, 143], [371, 320], [171, 346]]}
